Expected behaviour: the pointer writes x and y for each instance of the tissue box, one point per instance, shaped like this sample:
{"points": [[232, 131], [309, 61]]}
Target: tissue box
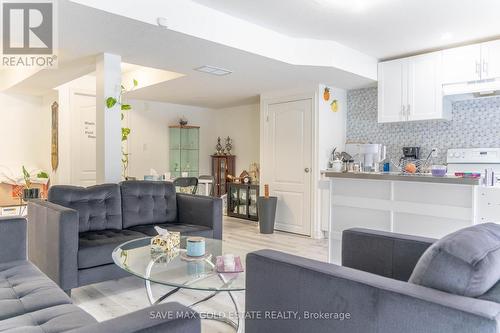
{"points": [[166, 243]]}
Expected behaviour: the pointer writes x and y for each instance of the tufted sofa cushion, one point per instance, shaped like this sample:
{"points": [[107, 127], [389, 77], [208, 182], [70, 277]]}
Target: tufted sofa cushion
{"points": [[148, 202], [55, 319], [99, 207], [95, 247], [466, 262], [24, 289]]}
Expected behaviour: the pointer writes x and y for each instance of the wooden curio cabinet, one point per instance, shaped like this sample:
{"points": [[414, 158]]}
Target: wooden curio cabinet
{"points": [[222, 166]]}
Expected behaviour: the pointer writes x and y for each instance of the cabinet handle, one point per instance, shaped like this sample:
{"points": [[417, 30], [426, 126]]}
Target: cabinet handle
{"points": [[478, 68], [485, 68]]}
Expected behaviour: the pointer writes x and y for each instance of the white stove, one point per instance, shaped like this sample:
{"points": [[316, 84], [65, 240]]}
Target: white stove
{"points": [[473, 160], [478, 160]]}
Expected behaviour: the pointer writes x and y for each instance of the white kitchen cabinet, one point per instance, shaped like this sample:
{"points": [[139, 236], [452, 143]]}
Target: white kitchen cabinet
{"points": [[462, 64], [490, 55], [390, 90], [425, 99], [411, 89], [472, 63]]}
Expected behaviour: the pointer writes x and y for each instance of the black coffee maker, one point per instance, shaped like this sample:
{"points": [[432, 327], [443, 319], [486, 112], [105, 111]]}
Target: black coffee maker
{"points": [[410, 154]]}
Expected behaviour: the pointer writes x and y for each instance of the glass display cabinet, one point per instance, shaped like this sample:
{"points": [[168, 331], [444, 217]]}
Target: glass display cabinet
{"points": [[222, 166], [184, 150], [242, 201]]}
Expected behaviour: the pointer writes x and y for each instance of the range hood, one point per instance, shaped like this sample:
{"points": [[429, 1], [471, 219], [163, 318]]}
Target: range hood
{"points": [[473, 89]]}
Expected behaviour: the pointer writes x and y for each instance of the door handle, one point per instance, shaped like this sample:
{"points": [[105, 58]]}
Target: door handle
{"points": [[306, 170], [485, 68]]}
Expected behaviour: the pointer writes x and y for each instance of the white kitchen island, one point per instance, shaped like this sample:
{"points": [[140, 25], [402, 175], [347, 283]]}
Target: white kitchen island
{"points": [[409, 204]]}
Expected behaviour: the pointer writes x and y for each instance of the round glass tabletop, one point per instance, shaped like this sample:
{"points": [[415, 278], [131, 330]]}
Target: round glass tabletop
{"points": [[176, 269]]}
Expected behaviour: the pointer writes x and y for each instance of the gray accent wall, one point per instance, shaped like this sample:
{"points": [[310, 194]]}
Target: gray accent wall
{"points": [[475, 123]]}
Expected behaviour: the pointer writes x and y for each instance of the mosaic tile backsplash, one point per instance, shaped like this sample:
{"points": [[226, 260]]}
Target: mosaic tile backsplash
{"points": [[475, 123]]}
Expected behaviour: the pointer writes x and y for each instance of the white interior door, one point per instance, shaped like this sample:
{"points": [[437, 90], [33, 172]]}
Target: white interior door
{"points": [[290, 159], [83, 147]]}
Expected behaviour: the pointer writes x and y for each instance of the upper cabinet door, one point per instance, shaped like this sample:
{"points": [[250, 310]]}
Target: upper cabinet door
{"points": [[462, 64], [391, 87], [490, 53], [424, 87]]}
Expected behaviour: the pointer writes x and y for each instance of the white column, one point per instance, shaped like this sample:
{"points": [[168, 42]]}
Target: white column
{"points": [[108, 124]]}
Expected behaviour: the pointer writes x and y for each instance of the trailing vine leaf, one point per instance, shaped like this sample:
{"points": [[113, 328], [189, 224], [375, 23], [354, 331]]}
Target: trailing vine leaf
{"points": [[125, 133], [110, 102]]}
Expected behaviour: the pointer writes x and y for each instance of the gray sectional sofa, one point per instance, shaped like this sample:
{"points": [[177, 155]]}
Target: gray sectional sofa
{"points": [[389, 283], [30, 302], [72, 235]]}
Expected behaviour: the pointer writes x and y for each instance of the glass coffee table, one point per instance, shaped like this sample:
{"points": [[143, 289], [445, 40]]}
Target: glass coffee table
{"points": [[181, 272]]}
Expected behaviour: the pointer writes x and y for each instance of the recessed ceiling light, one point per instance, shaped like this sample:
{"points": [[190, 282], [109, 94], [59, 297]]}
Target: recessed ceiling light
{"points": [[213, 70], [356, 6], [447, 36]]}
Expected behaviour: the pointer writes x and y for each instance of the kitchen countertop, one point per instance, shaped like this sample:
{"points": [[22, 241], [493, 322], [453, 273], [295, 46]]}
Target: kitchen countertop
{"points": [[424, 178]]}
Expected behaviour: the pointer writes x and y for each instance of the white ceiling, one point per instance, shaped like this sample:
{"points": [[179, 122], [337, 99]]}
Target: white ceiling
{"points": [[380, 28], [86, 32]]}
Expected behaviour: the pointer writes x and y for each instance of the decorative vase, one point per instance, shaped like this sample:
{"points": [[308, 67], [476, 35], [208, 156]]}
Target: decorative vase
{"points": [[229, 145]]}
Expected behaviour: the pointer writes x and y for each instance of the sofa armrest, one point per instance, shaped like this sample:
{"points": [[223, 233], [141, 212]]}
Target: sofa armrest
{"points": [[383, 253], [169, 317], [53, 241], [12, 239], [200, 210], [331, 298]]}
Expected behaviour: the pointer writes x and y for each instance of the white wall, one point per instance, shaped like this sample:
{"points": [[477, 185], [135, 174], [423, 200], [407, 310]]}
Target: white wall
{"points": [[148, 142], [24, 132], [331, 125], [240, 123]]}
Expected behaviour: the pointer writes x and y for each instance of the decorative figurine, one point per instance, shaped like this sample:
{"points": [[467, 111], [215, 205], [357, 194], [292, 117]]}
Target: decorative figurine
{"points": [[183, 121], [218, 147], [229, 145]]}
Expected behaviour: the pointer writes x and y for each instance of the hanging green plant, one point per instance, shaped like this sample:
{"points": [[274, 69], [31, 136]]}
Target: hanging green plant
{"points": [[110, 103]]}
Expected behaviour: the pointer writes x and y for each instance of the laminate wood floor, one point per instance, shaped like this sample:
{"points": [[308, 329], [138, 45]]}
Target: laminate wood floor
{"points": [[118, 297]]}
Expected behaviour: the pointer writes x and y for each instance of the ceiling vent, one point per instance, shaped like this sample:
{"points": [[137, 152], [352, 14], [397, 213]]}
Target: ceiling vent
{"points": [[213, 70]]}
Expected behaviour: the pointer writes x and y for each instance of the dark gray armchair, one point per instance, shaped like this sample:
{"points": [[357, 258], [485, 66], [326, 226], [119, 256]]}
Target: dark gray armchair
{"points": [[31, 302], [72, 235], [369, 293]]}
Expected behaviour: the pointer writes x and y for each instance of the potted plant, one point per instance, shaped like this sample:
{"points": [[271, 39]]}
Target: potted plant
{"points": [[28, 191]]}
